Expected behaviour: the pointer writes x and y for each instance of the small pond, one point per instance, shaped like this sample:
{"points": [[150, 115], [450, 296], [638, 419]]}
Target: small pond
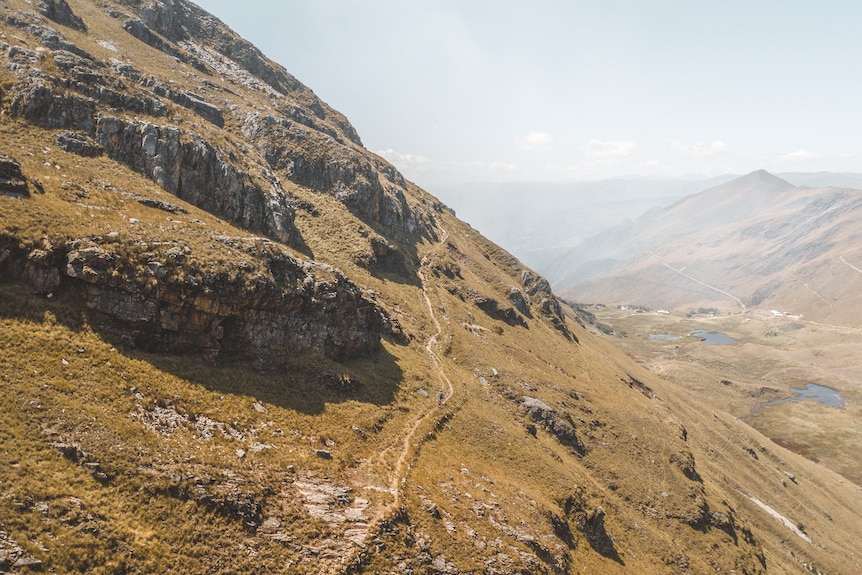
{"points": [[713, 337], [812, 392], [819, 394], [663, 336]]}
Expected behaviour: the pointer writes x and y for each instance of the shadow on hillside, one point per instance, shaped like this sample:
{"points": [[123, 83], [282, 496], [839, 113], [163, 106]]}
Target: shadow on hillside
{"points": [[304, 383], [395, 264]]}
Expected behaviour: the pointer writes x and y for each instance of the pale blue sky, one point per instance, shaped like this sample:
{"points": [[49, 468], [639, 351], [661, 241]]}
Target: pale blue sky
{"points": [[452, 91]]}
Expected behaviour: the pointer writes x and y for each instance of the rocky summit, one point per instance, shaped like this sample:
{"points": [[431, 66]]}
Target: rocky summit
{"points": [[237, 341]]}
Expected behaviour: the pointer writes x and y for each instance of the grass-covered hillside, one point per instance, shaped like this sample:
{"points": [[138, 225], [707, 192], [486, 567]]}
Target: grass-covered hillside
{"points": [[226, 327]]}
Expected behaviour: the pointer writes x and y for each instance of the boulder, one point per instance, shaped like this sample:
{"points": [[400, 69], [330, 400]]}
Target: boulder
{"points": [[12, 182]]}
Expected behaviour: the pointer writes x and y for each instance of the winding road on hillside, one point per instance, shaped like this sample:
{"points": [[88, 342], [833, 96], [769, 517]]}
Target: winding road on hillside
{"points": [[851, 265], [697, 281]]}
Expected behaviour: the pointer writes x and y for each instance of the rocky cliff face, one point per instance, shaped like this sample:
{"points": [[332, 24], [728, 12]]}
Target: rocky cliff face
{"points": [[175, 135], [59, 85], [154, 298]]}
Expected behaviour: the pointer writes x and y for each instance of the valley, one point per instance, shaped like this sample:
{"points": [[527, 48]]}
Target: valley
{"points": [[760, 377]]}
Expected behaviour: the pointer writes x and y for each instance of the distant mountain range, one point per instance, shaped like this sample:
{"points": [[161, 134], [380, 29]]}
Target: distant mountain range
{"points": [[758, 240], [541, 222]]}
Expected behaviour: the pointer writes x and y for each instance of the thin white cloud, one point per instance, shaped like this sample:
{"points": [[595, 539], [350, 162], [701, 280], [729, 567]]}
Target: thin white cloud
{"points": [[400, 159], [797, 156], [700, 149], [535, 140], [611, 150]]}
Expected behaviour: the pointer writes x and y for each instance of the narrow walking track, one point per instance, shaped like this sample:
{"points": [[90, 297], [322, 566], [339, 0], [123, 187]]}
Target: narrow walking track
{"points": [[411, 443]]}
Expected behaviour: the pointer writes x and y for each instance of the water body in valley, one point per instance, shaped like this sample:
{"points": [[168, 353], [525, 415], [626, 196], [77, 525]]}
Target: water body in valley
{"points": [[819, 394], [811, 392], [713, 337]]}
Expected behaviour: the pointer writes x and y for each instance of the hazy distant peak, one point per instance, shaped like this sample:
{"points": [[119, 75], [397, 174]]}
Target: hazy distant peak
{"points": [[760, 179]]}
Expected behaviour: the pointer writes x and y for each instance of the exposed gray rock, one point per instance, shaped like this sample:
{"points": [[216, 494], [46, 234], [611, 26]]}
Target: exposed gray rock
{"points": [[12, 182], [492, 307], [43, 274], [558, 425], [197, 172], [596, 534], [37, 103], [12, 555], [520, 302], [60, 12], [297, 306], [538, 288], [78, 144], [164, 206], [322, 453], [321, 162], [194, 102], [145, 34]]}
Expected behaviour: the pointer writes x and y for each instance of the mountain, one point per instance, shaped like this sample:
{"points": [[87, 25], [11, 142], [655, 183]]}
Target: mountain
{"points": [[540, 221], [757, 241], [236, 341]]}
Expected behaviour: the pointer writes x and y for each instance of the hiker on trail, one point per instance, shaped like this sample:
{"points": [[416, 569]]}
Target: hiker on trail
{"points": [[439, 398]]}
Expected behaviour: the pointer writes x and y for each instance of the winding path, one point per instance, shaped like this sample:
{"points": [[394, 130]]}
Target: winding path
{"points": [[411, 443]]}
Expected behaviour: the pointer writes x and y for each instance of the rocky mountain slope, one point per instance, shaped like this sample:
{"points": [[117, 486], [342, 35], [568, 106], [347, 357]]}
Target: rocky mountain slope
{"points": [[234, 340], [757, 241]]}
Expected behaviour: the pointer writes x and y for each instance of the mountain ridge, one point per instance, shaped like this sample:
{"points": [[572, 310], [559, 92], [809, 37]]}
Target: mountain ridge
{"points": [[752, 237]]}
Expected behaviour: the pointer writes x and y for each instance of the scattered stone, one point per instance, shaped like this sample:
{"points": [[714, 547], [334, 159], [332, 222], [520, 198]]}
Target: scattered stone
{"points": [[322, 453], [258, 407], [164, 206], [240, 453]]}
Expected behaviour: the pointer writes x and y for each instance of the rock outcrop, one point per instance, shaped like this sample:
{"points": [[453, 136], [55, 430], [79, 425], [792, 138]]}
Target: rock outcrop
{"points": [[12, 182], [300, 139], [160, 301], [60, 12], [558, 425]]}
